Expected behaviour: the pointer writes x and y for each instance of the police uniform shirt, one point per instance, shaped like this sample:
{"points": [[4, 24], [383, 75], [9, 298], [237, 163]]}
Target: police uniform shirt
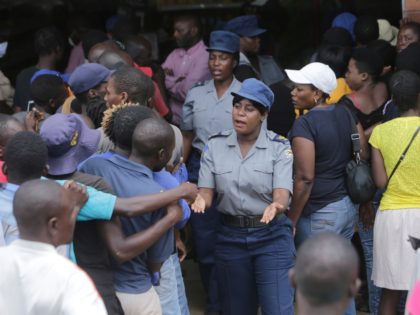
{"points": [[245, 186], [205, 113]]}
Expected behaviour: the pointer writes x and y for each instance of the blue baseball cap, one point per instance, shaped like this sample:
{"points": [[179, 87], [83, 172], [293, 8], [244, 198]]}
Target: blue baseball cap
{"points": [[37, 74], [87, 76], [255, 90], [224, 41], [245, 25]]}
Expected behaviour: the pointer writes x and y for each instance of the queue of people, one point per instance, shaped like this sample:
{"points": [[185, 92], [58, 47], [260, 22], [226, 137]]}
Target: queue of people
{"points": [[110, 166]]}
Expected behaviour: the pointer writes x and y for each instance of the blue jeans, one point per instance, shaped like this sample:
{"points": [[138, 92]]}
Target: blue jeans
{"points": [[339, 217], [167, 289], [182, 297], [252, 266]]}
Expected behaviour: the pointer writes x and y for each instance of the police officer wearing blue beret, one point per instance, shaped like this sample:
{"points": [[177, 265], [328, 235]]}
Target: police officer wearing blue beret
{"points": [[208, 110], [251, 63], [249, 169]]}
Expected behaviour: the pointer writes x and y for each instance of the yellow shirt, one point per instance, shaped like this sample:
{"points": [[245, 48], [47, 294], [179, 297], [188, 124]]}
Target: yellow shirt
{"points": [[391, 138], [341, 90]]}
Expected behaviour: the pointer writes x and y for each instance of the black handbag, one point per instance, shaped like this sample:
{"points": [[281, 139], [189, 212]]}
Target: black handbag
{"points": [[360, 184]]}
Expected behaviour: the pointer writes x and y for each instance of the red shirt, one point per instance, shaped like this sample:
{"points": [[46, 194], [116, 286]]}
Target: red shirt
{"points": [[3, 178]]}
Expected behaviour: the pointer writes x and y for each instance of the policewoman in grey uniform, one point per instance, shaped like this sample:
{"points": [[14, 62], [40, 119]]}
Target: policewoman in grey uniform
{"points": [[208, 110], [250, 169]]}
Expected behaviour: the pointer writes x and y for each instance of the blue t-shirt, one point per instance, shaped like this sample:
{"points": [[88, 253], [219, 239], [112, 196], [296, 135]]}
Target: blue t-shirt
{"points": [[330, 130], [130, 179]]}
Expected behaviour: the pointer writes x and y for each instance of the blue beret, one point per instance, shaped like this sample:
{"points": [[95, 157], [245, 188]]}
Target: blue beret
{"points": [[87, 76], [257, 91], [224, 41], [245, 25]]}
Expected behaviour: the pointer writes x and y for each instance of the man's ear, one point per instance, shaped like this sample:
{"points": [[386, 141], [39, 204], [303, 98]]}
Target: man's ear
{"points": [[161, 154], [124, 97], [364, 76], [53, 229], [194, 31], [354, 287], [45, 170]]}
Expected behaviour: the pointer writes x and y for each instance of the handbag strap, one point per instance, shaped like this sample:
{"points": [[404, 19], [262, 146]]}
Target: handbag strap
{"points": [[355, 137], [403, 154]]}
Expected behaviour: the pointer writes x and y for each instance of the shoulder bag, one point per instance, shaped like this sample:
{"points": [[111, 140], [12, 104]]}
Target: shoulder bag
{"points": [[360, 184]]}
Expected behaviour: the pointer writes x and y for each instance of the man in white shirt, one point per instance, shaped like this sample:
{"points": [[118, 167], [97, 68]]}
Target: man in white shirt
{"points": [[35, 278]]}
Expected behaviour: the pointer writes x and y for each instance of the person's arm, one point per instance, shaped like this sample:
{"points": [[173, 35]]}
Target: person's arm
{"points": [[378, 169], [134, 206], [125, 248], [279, 205], [304, 169], [187, 137], [179, 86]]}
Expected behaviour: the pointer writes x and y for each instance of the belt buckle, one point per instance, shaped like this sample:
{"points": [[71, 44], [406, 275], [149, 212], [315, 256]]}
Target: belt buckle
{"points": [[248, 222]]}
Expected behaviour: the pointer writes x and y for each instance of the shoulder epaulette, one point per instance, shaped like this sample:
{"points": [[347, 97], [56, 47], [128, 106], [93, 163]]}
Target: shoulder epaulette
{"points": [[224, 133], [201, 83], [279, 138]]}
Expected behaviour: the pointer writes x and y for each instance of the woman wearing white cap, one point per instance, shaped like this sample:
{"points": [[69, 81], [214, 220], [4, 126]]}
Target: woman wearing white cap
{"points": [[322, 147]]}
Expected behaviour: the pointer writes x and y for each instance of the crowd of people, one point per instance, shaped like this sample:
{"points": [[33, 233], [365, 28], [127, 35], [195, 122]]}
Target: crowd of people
{"points": [[109, 167]]}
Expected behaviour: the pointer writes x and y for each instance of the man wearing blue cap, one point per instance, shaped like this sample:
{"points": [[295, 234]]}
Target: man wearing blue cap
{"points": [[252, 65], [250, 170], [186, 65], [88, 83], [208, 110]]}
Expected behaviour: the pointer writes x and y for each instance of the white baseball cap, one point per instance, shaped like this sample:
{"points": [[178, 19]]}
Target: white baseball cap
{"points": [[316, 73]]}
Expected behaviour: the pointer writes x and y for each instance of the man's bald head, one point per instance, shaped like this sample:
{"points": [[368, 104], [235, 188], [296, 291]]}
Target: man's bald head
{"points": [[153, 137], [326, 270], [9, 126], [45, 212], [115, 59], [97, 50]]}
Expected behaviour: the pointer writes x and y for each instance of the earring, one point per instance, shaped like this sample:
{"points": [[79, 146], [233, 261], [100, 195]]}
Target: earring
{"points": [[316, 101]]}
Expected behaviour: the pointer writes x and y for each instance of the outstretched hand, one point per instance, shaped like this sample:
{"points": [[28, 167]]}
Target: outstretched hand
{"points": [[199, 205], [271, 211]]}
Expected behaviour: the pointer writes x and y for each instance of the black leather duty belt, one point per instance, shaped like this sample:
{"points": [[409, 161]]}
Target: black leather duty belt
{"points": [[244, 221]]}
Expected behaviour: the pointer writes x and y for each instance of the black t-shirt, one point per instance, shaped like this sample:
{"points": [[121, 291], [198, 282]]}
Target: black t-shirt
{"points": [[366, 120], [329, 129], [23, 85], [282, 114], [91, 252]]}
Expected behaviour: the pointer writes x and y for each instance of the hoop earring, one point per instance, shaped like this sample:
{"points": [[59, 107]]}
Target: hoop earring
{"points": [[316, 101]]}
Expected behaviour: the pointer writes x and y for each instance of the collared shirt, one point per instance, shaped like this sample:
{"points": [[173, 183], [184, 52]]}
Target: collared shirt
{"points": [[244, 185], [191, 64], [130, 179], [36, 280], [206, 114], [99, 206]]}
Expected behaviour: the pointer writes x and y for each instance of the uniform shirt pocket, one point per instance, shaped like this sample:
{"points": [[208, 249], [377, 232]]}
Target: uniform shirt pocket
{"points": [[223, 177], [263, 178]]}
